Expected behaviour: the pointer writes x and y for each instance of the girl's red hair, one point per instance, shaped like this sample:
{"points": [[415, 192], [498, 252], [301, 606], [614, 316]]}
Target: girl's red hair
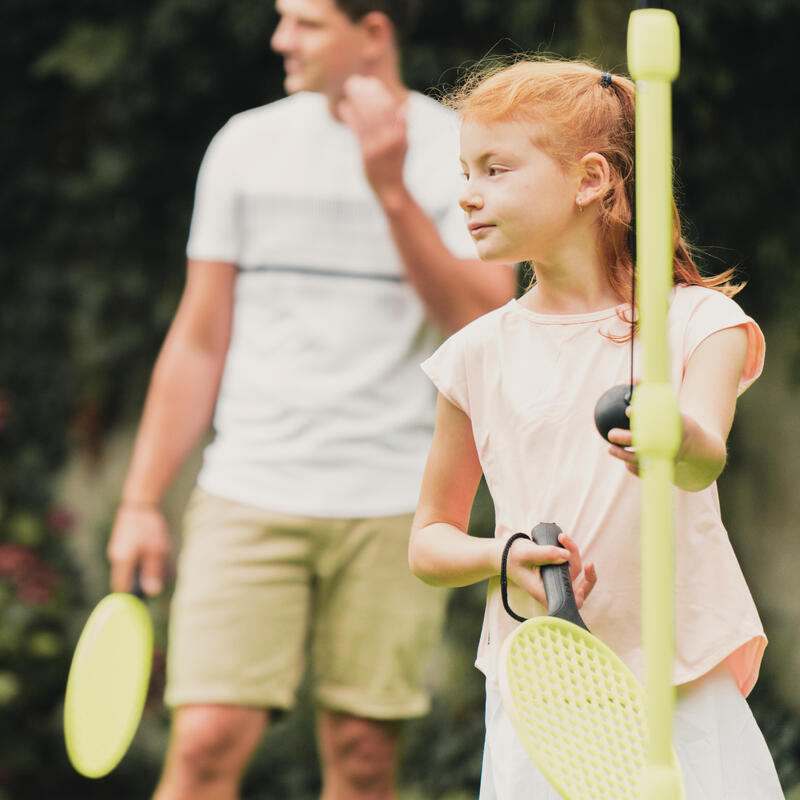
{"points": [[574, 114]]}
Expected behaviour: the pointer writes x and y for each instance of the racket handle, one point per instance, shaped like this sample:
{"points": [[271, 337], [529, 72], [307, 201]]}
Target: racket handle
{"points": [[136, 587], [555, 577]]}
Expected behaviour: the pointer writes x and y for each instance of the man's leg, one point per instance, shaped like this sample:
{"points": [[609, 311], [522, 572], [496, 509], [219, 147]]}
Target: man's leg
{"points": [[374, 627], [359, 757], [236, 632], [210, 746]]}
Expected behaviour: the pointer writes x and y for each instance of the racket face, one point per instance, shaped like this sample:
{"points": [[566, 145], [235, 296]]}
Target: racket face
{"points": [[578, 709], [107, 684]]}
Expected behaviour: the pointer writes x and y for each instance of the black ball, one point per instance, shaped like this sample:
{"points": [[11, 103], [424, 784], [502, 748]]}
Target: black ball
{"points": [[610, 410]]}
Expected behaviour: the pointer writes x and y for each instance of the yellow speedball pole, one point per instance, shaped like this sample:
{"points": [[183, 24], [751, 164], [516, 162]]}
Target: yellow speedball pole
{"points": [[653, 60]]}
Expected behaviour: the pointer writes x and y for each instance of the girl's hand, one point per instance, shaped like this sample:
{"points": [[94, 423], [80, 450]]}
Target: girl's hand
{"points": [[691, 435], [621, 447], [525, 557], [707, 402]]}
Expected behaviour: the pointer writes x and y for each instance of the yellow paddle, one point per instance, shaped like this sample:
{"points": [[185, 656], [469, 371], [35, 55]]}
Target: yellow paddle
{"points": [[578, 710], [107, 683]]}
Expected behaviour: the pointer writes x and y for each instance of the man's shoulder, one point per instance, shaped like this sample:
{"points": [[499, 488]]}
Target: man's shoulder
{"points": [[302, 104], [433, 136], [431, 112], [276, 122]]}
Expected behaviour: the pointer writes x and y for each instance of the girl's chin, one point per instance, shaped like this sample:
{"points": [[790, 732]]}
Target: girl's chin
{"points": [[494, 255]]}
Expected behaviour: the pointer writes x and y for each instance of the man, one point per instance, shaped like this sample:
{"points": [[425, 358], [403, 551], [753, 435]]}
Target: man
{"points": [[327, 256]]}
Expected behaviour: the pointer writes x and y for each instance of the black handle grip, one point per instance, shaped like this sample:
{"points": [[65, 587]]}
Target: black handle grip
{"points": [[136, 587], [555, 577]]}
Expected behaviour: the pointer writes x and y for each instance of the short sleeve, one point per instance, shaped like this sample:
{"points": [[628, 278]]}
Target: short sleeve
{"points": [[715, 312], [213, 231], [447, 369]]}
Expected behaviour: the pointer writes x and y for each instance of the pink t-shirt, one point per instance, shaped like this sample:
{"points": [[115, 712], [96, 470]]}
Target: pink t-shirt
{"points": [[529, 383]]}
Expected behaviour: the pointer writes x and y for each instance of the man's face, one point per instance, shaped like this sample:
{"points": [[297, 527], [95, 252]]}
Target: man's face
{"points": [[320, 45]]}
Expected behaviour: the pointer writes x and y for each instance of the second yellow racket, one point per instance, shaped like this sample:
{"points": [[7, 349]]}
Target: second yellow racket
{"points": [[107, 684]]}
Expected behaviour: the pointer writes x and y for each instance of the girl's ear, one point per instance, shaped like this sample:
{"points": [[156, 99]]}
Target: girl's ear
{"points": [[594, 178]]}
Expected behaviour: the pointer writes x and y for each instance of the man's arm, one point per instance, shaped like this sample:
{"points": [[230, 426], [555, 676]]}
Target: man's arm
{"points": [[177, 411], [453, 290]]}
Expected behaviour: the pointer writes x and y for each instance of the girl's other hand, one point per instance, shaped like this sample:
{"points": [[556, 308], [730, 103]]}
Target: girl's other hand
{"points": [[621, 441], [525, 558], [621, 446], [707, 402], [691, 432]]}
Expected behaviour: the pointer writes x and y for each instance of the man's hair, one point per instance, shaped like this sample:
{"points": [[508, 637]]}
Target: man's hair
{"points": [[402, 13]]}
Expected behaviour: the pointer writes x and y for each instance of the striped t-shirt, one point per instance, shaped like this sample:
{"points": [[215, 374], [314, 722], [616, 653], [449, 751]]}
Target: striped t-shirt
{"points": [[323, 410]]}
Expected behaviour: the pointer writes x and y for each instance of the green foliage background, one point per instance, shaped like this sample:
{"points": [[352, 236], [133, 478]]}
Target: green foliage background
{"points": [[107, 109]]}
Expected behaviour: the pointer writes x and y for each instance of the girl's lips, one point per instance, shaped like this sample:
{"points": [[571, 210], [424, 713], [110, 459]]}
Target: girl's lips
{"points": [[478, 229]]}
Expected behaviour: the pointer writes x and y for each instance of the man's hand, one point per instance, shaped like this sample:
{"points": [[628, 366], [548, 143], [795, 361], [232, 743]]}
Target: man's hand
{"points": [[139, 540], [378, 119]]}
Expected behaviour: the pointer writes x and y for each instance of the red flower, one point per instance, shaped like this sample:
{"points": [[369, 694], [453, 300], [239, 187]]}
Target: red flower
{"points": [[34, 577], [61, 519]]}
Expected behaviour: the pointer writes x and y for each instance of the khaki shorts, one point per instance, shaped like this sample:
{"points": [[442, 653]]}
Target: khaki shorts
{"points": [[257, 591]]}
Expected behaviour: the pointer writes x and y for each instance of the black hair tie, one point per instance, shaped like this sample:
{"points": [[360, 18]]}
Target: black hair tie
{"points": [[504, 576], [605, 80]]}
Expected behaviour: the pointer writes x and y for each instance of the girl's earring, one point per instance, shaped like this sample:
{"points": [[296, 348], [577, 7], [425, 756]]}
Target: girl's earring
{"points": [[580, 205]]}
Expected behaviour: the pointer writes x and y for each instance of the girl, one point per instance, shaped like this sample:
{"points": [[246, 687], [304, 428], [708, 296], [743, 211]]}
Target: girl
{"points": [[547, 152]]}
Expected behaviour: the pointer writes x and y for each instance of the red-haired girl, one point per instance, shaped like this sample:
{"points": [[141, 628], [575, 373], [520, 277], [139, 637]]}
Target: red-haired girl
{"points": [[547, 152]]}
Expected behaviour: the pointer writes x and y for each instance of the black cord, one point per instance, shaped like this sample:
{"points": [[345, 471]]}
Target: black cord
{"points": [[504, 575]]}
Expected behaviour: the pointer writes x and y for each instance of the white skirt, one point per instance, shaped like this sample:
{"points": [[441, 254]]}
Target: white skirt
{"points": [[722, 752]]}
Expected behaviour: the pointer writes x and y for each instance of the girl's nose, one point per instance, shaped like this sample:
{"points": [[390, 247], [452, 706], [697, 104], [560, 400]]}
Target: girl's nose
{"points": [[470, 199]]}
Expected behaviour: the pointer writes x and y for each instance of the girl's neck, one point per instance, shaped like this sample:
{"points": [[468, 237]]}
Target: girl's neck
{"points": [[578, 288]]}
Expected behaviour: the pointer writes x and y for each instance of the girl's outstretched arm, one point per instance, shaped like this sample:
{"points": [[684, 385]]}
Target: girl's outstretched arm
{"points": [[707, 404]]}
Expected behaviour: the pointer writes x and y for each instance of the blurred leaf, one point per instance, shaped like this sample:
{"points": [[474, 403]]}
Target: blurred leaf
{"points": [[45, 644], [26, 529], [10, 687], [87, 54]]}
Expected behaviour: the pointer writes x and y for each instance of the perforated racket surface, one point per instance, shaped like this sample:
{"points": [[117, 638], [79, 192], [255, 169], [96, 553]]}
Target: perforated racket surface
{"points": [[577, 708]]}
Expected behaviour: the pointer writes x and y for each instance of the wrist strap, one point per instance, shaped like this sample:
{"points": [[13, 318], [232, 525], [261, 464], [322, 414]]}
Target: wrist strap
{"points": [[504, 575]]}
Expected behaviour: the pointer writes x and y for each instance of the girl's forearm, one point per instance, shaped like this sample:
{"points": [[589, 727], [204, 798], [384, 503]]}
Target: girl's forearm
{"points": [[701, 458], [443, 555]]}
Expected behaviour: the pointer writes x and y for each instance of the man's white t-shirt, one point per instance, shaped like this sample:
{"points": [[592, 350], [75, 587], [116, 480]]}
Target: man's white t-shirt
{"points": [[323, 410]]}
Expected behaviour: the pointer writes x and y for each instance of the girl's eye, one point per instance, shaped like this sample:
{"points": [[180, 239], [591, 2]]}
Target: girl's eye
{"points": [[493, 171], [465, 175]]}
